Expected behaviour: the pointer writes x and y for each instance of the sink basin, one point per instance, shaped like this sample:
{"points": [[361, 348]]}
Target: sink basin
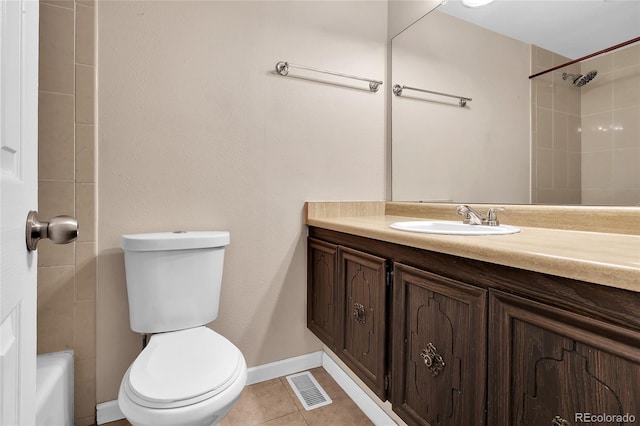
{"points": [[452, 228]]}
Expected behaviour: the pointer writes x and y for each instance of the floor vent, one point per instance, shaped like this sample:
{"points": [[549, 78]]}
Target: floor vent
{"points": [[308, 390]]}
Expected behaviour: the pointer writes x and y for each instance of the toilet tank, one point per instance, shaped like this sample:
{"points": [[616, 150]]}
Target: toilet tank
{"points": [[173, 279]]}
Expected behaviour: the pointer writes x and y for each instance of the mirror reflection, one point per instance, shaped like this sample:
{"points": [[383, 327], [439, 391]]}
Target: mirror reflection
{"points": [[570, 136]]}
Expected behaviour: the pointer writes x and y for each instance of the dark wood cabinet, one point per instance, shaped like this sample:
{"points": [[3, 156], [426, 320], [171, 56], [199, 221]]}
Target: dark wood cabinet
{"points": [[347, 308], [439, 342], [465, 342], [322, 290], [548, 364], [363, 319]]}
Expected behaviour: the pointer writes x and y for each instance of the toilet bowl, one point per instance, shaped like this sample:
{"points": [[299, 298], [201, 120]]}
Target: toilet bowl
{"points": [[187, 374], [187, 377]]}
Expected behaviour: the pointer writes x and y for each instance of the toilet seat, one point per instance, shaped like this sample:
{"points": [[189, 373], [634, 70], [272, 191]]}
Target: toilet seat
{"points": [[181, 368]]}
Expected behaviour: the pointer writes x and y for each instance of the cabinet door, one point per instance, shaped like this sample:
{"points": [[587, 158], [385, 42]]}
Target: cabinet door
{"points": [[322, 290], [439, 349], [362, 298], [552, 367]]}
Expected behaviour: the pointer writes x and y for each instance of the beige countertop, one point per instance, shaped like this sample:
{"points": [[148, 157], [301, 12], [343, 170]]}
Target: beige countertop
{"points": [[610, 259]]}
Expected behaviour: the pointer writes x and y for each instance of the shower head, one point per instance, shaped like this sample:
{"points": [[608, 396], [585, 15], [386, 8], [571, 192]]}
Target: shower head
{"points": [[580, 80]]}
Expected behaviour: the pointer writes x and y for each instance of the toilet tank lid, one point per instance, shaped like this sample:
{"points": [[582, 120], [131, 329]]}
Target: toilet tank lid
{"points": [[179, 240]]}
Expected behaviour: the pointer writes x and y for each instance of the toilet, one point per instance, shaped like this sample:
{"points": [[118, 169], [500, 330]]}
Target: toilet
{"points": [[187, 374]]}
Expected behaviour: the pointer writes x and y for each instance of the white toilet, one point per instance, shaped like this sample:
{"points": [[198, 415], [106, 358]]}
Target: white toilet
{"points": [[187, 374]]}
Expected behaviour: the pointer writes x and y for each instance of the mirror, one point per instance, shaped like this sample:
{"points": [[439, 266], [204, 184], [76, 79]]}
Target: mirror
{"points": [[547, 140]]}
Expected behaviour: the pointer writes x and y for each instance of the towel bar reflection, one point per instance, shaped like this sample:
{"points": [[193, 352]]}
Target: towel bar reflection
{"points": [[462, 101], [282, 68]]}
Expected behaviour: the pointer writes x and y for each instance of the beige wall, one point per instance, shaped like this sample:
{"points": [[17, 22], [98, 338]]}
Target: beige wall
{"points": [[66, 273], [198, 132], [479, 153], [611, 129], [555, 127]]}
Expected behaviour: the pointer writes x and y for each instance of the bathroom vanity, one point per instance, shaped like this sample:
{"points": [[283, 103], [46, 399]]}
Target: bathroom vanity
{"points": [[540, 327]]}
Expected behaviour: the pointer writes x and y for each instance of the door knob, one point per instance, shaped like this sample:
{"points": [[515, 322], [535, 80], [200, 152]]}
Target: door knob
{"points": [[60, 230]]}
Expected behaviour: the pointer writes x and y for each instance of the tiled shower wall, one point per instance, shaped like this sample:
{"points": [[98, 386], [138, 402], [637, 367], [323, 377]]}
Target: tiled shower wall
{"points": [[67, 185], [586, 141], [611, 129], [556, 150]]}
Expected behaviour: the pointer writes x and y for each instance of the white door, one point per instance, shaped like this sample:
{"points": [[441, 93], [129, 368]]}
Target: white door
{"points": [[18, 195]]}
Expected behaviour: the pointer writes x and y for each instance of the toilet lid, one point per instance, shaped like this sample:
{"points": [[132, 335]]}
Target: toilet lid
{"points": [[183, 365]]}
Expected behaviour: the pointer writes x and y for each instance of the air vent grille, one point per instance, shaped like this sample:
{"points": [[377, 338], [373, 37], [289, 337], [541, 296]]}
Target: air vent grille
{"points": [[308, 390]]}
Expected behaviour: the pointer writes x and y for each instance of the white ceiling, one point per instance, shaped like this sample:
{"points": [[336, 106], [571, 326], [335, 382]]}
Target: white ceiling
{"points": [[572, 28]]}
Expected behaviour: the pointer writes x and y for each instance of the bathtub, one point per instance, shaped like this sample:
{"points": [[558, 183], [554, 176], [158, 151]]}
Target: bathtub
{"points": [[54, 389]]}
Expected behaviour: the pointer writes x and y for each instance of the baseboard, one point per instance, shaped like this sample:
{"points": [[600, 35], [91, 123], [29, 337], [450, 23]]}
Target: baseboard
{"points": [[272, 370], [355, 392], [107, 412], [110, 411]]}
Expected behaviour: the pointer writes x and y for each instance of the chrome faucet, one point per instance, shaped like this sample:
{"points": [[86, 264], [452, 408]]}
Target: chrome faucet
{"points": [[472, 217]]}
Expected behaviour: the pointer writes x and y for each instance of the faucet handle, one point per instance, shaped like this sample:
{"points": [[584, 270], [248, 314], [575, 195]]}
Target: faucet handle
{"points": [[492, 216]]}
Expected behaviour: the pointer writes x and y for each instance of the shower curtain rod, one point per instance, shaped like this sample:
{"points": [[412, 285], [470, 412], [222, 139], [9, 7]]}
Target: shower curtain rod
{"points": [[600, 52], [282, 68]]}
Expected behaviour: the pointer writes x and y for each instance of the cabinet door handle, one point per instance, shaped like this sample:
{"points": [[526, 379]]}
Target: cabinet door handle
{"points": [[358, 313], [432, 359], [559, 421]]}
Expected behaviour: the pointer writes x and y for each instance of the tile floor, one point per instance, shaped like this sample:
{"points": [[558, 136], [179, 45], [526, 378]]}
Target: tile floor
{"points": [[273, 403]]}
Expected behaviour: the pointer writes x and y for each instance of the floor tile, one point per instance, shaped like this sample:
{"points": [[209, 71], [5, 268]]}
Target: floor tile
{"points": [[294, 419], [339, 412], [262, 402], [273, 403]]}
